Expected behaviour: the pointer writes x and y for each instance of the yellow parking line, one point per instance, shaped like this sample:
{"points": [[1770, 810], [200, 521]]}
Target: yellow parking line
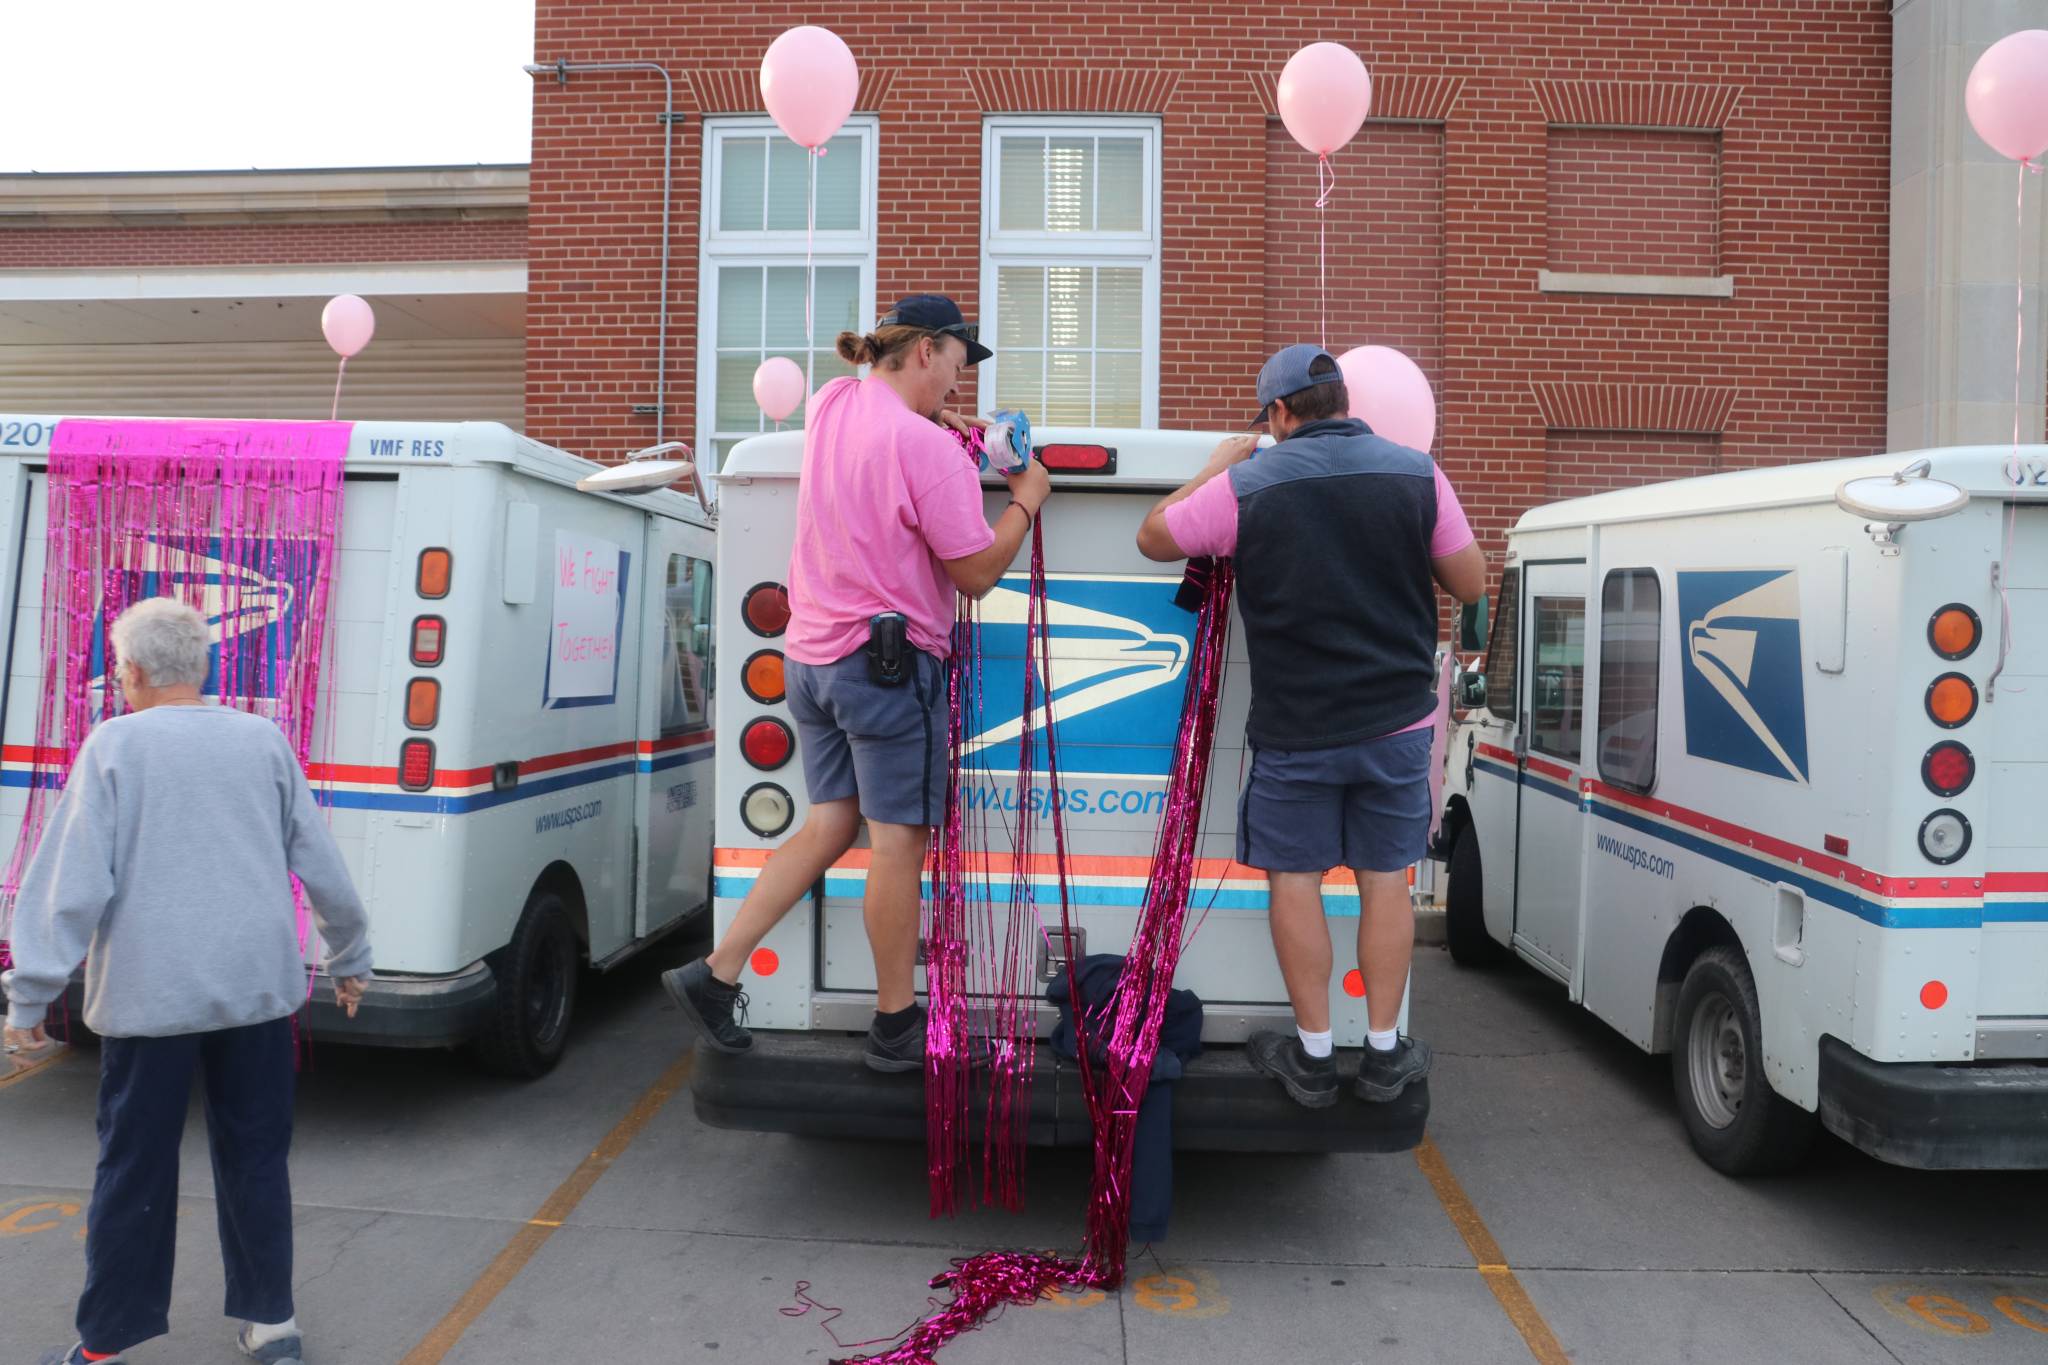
{"points": [[23, 1070], [1486, 1256], [552, 1213]]}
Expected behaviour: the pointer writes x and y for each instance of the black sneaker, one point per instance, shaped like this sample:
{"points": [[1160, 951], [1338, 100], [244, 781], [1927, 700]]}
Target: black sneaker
{"points": [[900, 1050], [1383, 1076], [1310, 1081], [709, 1003]]}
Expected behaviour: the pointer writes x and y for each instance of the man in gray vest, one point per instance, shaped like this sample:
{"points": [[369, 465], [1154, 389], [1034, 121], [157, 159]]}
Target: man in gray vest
{"points": [[1340, 539]]}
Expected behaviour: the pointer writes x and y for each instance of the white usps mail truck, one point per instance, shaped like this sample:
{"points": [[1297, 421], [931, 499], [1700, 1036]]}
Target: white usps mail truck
{"points": [[1120, 651], [514, 733], [1759, 776]]}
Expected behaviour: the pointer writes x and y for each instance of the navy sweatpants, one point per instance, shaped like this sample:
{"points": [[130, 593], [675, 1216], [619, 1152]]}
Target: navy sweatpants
{"points": [[132, 1228]]}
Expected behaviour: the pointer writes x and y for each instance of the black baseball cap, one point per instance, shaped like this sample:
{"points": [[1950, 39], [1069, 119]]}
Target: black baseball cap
{"points": [[937, 313]]}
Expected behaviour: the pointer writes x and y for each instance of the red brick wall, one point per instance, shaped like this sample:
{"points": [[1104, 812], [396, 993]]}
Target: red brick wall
{"points": [[1799, 91], [1633, 203], [1576, 463], [97, 248]]}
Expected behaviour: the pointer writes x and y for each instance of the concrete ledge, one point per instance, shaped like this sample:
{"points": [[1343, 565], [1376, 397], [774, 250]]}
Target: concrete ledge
{"points": [[1429, 925], [1679, 286]]}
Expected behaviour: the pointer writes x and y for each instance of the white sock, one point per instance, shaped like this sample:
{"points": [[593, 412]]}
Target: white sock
{"points": [[263, 1333], [1315, 1044], [1382, 1042]]}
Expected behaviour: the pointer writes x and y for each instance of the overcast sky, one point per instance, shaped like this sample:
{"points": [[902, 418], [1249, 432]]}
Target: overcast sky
{"points": [[134, 85]]}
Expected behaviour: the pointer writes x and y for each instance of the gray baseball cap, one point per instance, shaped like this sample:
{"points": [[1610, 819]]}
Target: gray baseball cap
{"points": [[1291, 370]]}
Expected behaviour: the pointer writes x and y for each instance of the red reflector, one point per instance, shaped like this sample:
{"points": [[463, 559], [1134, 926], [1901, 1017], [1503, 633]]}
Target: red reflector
{"points": [[1948, 768], [765, 962], [767, 743], [1079, 459], [1934, 995], [416, 765], [1837, 845], [428, 632]]}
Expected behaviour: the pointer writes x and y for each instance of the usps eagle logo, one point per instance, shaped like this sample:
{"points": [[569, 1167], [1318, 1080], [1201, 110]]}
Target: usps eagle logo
{"points": [[1119, 649], [1745, 682]]}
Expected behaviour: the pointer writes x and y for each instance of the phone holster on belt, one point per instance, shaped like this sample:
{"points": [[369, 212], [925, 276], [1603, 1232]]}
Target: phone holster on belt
{"points": [[889, 649]]}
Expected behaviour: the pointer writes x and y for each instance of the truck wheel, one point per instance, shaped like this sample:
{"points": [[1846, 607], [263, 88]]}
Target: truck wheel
{"points": [[1465, 906], [536, 971], [1737, 1123]]}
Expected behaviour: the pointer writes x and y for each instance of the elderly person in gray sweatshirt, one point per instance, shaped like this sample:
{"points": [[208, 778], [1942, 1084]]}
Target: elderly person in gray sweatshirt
{"points": [[167, 868]]}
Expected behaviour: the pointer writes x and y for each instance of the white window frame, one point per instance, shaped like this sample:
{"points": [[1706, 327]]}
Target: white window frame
{"points": [[1113, 249], [776, 247]]}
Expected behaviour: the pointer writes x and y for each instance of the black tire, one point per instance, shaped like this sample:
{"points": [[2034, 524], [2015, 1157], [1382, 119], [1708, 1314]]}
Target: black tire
{"points": [[536, 972], [1465, 905], [1738, 1124]]}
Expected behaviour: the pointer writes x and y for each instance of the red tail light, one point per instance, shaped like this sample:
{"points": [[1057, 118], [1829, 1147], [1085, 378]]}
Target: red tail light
{"points": [[429, 636], [1079, 459], [1947, 768], [416, 765], [767, 743], [765, 609]]}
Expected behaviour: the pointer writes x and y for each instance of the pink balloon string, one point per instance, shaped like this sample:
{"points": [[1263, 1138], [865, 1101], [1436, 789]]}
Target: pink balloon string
{"points": [[2012, 468], [1326, 185], [238, 520], [1125, 1031], [335, 412]]}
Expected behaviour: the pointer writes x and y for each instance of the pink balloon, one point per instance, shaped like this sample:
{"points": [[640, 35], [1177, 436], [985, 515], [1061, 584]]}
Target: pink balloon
{"points": [[808, 81], [1391, 394], [779, 387], [348, 324], [2007, 95], [1324, 95]]}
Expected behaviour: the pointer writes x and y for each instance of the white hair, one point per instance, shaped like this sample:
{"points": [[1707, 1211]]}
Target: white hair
{"points": [[164, 638]]}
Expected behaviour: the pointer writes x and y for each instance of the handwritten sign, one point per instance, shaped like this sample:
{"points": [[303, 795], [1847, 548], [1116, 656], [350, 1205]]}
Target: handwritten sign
{"points": [[583, 645]]}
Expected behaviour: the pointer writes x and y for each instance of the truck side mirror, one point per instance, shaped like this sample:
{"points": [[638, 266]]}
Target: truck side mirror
{"points": [[1471, 690], [1472, 626]]}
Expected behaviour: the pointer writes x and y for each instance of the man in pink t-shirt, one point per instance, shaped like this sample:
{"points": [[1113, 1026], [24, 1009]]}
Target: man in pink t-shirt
{"points": [[889, 532], [1340, 539]]}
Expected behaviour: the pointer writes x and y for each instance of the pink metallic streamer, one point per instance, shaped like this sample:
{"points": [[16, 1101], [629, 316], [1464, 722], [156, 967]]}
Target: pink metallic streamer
{"points": [[133, 499], [982, 1286]]}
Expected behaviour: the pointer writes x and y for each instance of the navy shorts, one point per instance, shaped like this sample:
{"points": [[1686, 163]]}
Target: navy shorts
{"points": [[1363, 805], [886, 745]]}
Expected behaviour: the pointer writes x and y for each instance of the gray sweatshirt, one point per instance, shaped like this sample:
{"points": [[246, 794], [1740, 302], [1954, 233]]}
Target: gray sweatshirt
{"points": [[167, 867]]}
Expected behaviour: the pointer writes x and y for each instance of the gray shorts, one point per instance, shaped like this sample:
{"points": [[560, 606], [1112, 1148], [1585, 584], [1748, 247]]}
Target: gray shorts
{"points": [[886, 745], [1363, 805]]}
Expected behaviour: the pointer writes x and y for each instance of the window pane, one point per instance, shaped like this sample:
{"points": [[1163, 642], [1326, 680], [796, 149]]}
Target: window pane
{"points": [[785, 321], [1070, 305], [1503, 646], [743, 166], [736, 409], [1070, 184], [1020, 184], [1120, 308], [1068, 402], [827, 366], [1020, 382], [1557, 684], [739, 305], [838, 298], [789, 185], [1629, 630], [1122, 182], [685, 649], [722, 448], [1020, 306], [1118, 396], [840, 184]]}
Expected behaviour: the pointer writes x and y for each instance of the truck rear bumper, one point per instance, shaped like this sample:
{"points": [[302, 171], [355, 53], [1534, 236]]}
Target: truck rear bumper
{"points": [[815, 1085], [1936, 1115]]}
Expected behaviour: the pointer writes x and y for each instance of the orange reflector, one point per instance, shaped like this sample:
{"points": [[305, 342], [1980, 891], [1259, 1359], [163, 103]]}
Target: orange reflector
{"points": [[1954, 631], [762, 678], [437, 568], [1934, 995], [1951, 700], [764, 962], [422, 703]]}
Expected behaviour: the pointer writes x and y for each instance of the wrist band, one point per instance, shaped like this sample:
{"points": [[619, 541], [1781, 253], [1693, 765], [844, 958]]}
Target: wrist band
{"points": [[1030, 517]]}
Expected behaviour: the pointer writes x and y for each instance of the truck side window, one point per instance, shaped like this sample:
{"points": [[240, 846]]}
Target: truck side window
{"points": [[1502, 645], [1557, 693], [686, 647], [1631, 621]]}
